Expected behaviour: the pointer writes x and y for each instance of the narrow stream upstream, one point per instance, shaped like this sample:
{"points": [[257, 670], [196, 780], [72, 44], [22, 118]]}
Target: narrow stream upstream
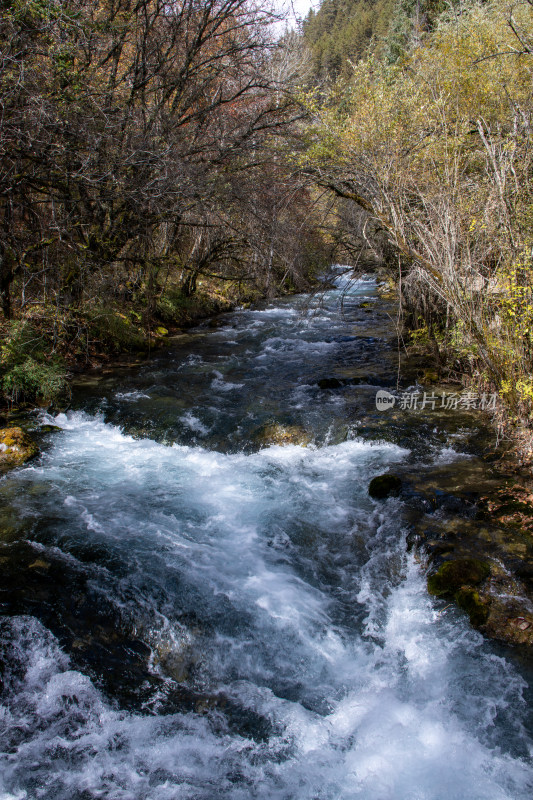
{"points": [[188, 613]]}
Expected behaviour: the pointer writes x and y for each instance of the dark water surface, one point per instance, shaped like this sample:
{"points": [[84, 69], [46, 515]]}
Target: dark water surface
{"points": [[188, 613]]}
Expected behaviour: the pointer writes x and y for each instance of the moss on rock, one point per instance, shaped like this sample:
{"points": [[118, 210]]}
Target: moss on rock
{"points": [[454, 575], [469, 600], [16, 447]]}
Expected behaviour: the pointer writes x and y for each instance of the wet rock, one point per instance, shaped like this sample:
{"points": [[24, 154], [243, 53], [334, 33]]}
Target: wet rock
{"points": [[509, 621], [89, 627], [176, 657], [439, 547], [524, 570], [383, 486], [420, 502], [16, 447], [283, 435], [50, 429], [455, 574], [219, 322]]}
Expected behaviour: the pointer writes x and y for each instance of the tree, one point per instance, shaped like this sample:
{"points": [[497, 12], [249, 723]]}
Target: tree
{"points": [[122, 124]]}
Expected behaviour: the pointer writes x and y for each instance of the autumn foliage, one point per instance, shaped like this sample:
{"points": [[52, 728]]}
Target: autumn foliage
{"points": [[435, 151]]}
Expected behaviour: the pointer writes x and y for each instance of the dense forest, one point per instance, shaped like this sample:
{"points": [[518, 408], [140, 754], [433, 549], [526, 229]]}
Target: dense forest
{"points": [[342, 32], [159, 161]]}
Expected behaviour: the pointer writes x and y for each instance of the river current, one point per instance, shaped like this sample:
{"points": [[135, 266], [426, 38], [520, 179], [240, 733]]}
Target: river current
{"points": [[189, 612]]}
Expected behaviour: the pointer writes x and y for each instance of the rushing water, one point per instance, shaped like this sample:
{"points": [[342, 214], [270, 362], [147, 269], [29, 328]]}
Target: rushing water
{"points": [[189, 614]]}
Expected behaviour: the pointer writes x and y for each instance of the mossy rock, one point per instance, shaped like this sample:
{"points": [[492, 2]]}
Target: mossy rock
{"points": [[16, 447], [366, 304], [456, 574], [284, 435], [383, 486], [469, 600], [161, 331], [50, 429]]}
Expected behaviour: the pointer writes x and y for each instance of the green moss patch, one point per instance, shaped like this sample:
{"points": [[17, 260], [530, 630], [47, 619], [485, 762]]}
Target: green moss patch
{"points": [[453, 575], [16, 446]]}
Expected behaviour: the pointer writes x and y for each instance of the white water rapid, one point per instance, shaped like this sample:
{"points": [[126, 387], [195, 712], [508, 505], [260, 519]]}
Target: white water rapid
{"points": [[264, 582]]}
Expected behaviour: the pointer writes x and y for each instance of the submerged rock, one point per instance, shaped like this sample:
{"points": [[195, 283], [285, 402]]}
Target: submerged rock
{"points": [[509, 619], [16, 447], [383, 486]]}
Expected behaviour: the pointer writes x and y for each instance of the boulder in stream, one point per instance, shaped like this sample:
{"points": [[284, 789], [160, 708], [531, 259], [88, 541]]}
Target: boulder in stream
{"points": [[383, 486]]}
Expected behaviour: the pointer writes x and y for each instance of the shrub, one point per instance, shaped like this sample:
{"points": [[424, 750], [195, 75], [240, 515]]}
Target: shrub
{"points": [[28, 371]]}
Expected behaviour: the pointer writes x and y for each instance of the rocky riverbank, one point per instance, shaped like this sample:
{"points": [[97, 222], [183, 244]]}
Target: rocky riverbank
{"points": [[473, 530]]}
